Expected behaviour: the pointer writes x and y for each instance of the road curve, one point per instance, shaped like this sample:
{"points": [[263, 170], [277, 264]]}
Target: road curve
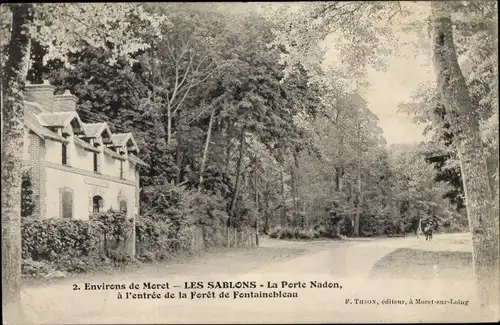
{"points": [[344, 265]]}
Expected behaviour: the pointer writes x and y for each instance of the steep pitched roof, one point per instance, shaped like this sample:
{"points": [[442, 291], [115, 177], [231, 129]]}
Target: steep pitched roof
{"points": [[113, 154], [62, 120], [120, 139], [85, 145], [93, 130], [137, 160], [57, 119], [124, 139], [31, 122]]}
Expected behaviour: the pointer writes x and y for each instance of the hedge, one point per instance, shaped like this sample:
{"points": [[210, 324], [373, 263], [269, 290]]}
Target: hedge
{"points": [[72, 245], [165, 228]]}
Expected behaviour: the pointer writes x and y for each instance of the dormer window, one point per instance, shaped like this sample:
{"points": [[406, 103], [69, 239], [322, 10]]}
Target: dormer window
{"points": [[64, 154], [97, 158], [65, 151], [97, 166], [121, 170]]}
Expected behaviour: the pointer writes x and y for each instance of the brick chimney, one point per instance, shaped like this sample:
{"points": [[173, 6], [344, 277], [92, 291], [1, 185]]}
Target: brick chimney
{"points": [[41, 93], [65, 102]]}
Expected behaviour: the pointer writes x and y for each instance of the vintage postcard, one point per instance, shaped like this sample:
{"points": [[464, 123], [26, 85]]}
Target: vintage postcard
{"points": [[250, 162]]}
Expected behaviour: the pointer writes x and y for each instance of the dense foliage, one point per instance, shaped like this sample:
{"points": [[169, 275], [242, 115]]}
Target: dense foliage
{"points": [[237, 137], [72, 245], [163, 228], [27, 197], [226, 126]]}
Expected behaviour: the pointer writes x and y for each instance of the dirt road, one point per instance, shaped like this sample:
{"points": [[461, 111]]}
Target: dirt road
{"points": [[297, 269]]}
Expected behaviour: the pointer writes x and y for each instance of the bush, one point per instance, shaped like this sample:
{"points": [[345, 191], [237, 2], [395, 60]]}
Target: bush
{"points": [[36, 269], [165, 225], [320, 231], [113, 228], [209, 212], [50, 239], [275, 232], [72, 264], [156, 239], [306, 234], [169, 216], [74, 246], [296, 233]]}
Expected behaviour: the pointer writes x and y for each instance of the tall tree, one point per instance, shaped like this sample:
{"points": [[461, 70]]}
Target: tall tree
{"points": [[13, 84], [457, 101], [62, 28], [453, 89]]}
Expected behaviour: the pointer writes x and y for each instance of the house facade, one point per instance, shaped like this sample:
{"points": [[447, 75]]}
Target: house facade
{"points": [[76, 168]]}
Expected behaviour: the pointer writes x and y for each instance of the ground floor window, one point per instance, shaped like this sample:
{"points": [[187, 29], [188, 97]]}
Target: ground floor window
{"points": [[123, 206], [97, 203], [66, 203]]}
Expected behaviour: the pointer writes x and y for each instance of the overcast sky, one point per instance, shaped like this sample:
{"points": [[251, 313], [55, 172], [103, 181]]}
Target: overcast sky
{"points": [[406, 70], [396, 84], [391, 87], [388, 89]]}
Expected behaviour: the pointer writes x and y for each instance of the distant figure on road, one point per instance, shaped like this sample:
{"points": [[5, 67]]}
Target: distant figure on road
{"points": [[428, 232]]}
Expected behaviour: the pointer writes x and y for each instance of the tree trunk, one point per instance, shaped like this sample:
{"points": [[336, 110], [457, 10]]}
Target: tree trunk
{"points": [[483, 224], [419, 228], [238, 176], [256, 204], [352, 214], [337, 179], [205, 151], [297, 182], [294, 194], [13, 135], [283, 210], [179, 155], [169, 126], [282, 181], [340, 178], [359, 206], [229, 147], [337, 229], [269, 213], [358, 181]]}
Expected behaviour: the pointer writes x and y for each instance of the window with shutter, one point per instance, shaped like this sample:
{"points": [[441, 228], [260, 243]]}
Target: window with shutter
{"points": [[67, 204]]}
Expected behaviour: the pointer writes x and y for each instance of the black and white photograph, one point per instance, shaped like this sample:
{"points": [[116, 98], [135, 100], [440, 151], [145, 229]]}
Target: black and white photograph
{"points": [[249, 162]]}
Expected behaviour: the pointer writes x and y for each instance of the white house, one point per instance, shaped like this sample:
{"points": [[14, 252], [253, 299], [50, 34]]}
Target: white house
{"points": [[76, 168]]}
